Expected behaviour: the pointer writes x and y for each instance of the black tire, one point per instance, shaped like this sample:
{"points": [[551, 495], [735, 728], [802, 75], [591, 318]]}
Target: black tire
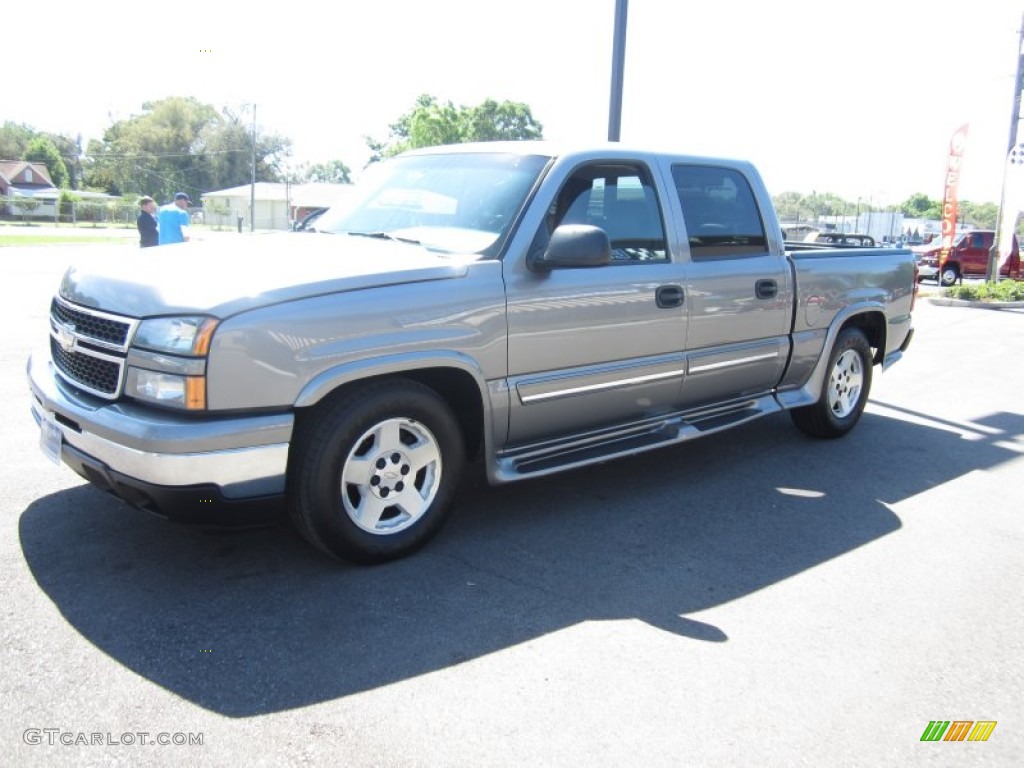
{"points": [[373, 473], [949, 275], [845, 392]]}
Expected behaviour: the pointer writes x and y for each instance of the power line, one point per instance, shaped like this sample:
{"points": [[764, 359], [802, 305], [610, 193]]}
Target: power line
{"points": [[150, 155]]}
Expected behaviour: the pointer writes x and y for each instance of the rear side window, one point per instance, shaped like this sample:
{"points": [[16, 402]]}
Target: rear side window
{"points": [[721, 215]]}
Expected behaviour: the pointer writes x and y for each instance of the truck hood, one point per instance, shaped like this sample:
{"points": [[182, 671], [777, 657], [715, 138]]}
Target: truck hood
{"points": [[232, 274]]}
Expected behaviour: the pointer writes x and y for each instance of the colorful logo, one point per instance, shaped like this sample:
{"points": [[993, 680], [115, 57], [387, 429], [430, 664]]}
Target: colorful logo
{"points": [[958, 730]]}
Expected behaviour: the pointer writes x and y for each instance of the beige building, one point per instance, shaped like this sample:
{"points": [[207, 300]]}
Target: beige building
{"points": [[277, 204]]}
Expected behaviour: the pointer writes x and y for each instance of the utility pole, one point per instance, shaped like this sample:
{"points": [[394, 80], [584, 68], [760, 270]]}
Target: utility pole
{"points": [[1013, 154], [252, 188], [618, 67]]}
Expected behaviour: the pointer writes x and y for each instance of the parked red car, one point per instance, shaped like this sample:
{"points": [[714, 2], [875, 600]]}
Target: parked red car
{"points": [[967, 258]]}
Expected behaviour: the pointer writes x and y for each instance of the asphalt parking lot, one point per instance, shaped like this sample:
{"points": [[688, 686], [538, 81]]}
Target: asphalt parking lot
{"points": [[753, 598]]}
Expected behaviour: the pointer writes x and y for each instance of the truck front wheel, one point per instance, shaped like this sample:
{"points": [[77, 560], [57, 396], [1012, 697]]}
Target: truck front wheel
{"points": [[949, 275], [846, 392], [374, 473]]}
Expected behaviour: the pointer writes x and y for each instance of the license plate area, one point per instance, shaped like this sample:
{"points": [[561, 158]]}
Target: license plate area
{"points": [[50, 440]]}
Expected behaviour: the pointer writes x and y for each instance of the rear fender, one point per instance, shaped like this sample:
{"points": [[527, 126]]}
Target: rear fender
{"points": [[868, 316]]}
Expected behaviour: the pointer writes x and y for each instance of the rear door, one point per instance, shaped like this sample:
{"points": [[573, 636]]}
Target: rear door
{"points": [[739, 293]]}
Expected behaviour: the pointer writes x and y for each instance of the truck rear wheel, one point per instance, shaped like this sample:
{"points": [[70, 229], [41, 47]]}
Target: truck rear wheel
{"points": [[845, 393], [374, 473]]}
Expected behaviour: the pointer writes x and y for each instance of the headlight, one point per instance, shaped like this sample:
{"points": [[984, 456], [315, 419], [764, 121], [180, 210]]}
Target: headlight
{"points": [[188, 392], [176, 335], [180, 383]]}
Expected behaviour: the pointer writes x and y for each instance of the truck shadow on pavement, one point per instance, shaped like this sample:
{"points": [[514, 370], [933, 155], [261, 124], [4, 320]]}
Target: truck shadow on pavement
{"points": [[254, 622]]}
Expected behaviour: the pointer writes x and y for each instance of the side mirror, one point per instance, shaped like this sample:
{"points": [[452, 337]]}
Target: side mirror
{"points": [[574, 245]]}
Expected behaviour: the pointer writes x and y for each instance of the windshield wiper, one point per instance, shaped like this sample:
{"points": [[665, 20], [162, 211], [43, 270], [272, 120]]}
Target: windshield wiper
{"points": [[385, 236]]}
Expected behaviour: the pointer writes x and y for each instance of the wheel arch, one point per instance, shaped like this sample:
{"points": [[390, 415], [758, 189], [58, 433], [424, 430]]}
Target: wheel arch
{"points": [[867, 317], [454, 379], [841, 402], [872, 323]]}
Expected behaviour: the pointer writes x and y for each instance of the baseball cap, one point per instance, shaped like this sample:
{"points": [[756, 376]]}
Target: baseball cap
{"points": [[181, 196]]}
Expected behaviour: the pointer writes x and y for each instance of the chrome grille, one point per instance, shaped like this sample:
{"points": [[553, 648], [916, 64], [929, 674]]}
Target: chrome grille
{"points": [[103, 328], [89, 347], [93, 374]]}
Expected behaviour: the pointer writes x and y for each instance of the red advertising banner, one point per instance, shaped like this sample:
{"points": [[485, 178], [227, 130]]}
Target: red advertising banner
{"points": [[957, 145]]}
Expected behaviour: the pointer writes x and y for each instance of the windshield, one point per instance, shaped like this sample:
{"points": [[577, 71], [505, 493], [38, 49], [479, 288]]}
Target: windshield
{"points": [[954, 241], [936, 243], [457, 203]]}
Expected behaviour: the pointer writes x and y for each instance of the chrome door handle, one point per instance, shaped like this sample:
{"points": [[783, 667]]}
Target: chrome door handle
{"points": [[668, 296]]}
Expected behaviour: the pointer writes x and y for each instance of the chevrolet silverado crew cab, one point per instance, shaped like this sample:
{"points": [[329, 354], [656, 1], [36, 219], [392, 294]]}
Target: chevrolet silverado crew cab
{"points": [[537, 308]]}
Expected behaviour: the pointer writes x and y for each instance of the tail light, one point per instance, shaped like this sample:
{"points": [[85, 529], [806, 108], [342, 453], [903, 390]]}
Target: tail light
{"points": [[917, 286]]}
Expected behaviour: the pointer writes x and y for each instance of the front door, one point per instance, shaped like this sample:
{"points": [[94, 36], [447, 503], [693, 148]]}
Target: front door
{"points": [[597, 346]]}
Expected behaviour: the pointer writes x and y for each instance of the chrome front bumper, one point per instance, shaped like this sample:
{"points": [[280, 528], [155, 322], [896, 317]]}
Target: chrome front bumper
{"points": [[241, 457]]}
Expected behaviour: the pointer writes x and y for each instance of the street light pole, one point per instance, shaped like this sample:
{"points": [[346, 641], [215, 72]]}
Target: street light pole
{"points": [[252, 188], [618, 67], [1018, 86]]}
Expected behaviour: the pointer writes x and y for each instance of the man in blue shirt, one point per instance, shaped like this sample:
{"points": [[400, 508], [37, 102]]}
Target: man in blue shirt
{"points": [[173, 220]]}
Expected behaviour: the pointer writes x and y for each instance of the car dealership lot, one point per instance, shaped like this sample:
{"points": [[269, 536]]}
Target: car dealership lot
{"points": [[754, 597]]}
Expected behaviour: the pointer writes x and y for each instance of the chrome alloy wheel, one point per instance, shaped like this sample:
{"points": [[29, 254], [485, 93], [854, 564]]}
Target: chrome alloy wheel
{"points": [[845, 383], [391, 476]]}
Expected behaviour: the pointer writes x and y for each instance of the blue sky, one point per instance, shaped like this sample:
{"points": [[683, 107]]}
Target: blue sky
{"points": [[859, 99]]}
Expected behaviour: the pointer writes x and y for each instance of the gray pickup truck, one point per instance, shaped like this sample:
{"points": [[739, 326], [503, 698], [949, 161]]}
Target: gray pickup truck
{"points": [[534, 307]]}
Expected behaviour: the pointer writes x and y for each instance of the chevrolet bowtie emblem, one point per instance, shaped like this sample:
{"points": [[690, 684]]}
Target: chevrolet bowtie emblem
{"points": [[66, 336]]}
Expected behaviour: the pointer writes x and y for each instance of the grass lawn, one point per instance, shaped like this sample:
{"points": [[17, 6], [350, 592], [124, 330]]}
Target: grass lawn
{"points": [[9, 239]]}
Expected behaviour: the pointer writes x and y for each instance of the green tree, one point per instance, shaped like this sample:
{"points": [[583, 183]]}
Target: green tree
{"points": [[980, 216], [71, 153], [824, 205], [431, 123], [14, 140], [28, 207], [789, 206], [151, 152], [181, 144], [221, 164], [42, 150], [332, 172], [378, 148], [919, 206], [507, 121], [67, 202]]}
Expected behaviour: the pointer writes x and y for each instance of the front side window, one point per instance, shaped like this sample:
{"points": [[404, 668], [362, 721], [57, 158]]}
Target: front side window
{"points": [[621, 200], [721, 214], [455, 203]]}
